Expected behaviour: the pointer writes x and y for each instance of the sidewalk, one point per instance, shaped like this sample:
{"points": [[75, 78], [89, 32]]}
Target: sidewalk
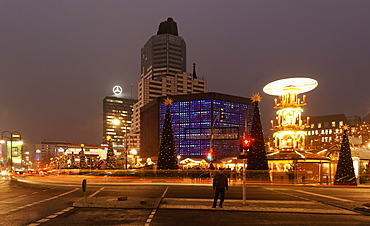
{"points": [[206, 205]]}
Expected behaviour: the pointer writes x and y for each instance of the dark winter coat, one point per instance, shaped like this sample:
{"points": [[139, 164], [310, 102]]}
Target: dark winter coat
{"points": [[220, 181]]}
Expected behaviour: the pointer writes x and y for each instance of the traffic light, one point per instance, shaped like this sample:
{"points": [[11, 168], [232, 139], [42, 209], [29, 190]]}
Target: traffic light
{"points": [[209, 156], [245, 145], [222, 115]]}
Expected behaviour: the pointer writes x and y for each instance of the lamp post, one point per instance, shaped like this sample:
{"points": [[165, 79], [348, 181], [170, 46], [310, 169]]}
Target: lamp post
{"points": [[133, 152], [178, 160], [14, 134]]}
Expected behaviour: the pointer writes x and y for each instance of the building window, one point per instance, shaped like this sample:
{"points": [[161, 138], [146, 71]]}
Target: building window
{"points": [[312, 125], [319, 125], [340, 123], [333, 123]]}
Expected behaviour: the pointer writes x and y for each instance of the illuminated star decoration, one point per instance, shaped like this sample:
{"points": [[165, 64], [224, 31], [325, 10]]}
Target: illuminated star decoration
{"points": [[345, 127], [256, 98], [168, 101]]}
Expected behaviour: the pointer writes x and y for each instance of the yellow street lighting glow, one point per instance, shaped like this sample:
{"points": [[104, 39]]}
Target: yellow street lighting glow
{"points": [[133, 152], [116, 121]]}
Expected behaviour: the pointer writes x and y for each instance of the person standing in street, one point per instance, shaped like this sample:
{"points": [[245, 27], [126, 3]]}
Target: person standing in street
{"points": [[220, 183]]}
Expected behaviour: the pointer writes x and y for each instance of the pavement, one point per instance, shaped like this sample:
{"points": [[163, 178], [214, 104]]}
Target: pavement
{"points": [[132, 202], [313, 207]]}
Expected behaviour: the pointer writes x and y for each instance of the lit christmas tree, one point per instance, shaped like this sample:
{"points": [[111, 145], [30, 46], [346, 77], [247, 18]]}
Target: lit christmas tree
{"points": [[257, 165], [111, 160], [345, 174], [167, 152]]}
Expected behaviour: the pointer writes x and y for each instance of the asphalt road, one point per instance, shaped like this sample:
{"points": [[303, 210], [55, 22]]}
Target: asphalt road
{"points": [[50, 204]]}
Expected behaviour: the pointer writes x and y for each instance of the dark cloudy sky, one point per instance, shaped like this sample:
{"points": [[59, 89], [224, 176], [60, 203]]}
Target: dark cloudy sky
{"points": [[59, 59]]}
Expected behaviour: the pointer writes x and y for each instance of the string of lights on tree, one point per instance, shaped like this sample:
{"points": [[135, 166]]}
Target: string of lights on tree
{"points": [[345, 174], [256, 158], [167, 158]]}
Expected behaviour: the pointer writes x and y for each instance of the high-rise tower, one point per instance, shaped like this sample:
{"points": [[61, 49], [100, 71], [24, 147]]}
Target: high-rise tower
{"points": [[163, 70], [117, 120], [163, 54]]}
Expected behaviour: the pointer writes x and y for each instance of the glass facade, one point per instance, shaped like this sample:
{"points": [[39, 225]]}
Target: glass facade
{"points": [[195, 121]]}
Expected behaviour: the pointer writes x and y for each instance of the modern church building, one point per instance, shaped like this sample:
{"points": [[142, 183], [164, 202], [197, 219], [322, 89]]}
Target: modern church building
{"points": [[195, 119]]}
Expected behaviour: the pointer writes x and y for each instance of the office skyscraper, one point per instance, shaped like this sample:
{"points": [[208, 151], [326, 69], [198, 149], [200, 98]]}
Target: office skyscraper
{"points": [[164, 54], [116, 108], [163, 70]]}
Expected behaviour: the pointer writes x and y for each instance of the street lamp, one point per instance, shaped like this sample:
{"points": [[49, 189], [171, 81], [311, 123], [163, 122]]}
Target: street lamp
{"points": [[178, 160], [14, 134], [133, 152]]}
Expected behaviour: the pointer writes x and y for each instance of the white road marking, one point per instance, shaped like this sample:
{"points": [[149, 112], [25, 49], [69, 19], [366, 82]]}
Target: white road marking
{"points": [[51, 216], [41, 201], [62, 211], [325, 196], [151, 216], [93, 194]]}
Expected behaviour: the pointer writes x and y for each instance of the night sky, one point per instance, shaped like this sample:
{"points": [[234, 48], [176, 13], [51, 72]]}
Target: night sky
{"points": [[59, 59]]}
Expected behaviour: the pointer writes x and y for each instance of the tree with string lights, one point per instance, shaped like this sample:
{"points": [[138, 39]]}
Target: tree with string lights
{"points": [[167, 158], [257, 165], [345, 174]]}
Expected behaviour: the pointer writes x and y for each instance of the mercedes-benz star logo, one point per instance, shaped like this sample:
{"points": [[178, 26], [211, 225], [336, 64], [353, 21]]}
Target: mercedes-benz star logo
{"points": [[117, 90]]}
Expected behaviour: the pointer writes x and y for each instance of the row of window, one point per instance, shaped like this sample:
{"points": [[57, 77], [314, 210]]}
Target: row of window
{"points": [[326, 124], [324, 131], [192, 122]]}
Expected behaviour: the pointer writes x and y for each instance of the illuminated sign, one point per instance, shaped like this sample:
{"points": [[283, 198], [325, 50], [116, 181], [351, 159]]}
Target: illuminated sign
{"points": [[117, 90]]}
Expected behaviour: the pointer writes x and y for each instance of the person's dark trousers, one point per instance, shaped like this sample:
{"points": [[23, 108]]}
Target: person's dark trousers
{"points": [[217, 193]]}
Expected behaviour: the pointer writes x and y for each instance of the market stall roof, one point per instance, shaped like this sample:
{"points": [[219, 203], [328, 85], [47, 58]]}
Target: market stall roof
{"points": [[363, 154], [296, 155]]}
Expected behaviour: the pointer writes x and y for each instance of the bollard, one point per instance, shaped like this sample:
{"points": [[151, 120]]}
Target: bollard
{"points": [[84, 188]]}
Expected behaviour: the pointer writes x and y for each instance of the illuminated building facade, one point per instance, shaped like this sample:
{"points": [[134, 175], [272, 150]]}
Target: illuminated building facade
{"points": [[163, 71], [116, 108], [194, 118], [325, 132], [48, 149]]}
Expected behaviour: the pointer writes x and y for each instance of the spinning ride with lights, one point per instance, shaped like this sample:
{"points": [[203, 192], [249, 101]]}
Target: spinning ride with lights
{"points": [[289, 125]]}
